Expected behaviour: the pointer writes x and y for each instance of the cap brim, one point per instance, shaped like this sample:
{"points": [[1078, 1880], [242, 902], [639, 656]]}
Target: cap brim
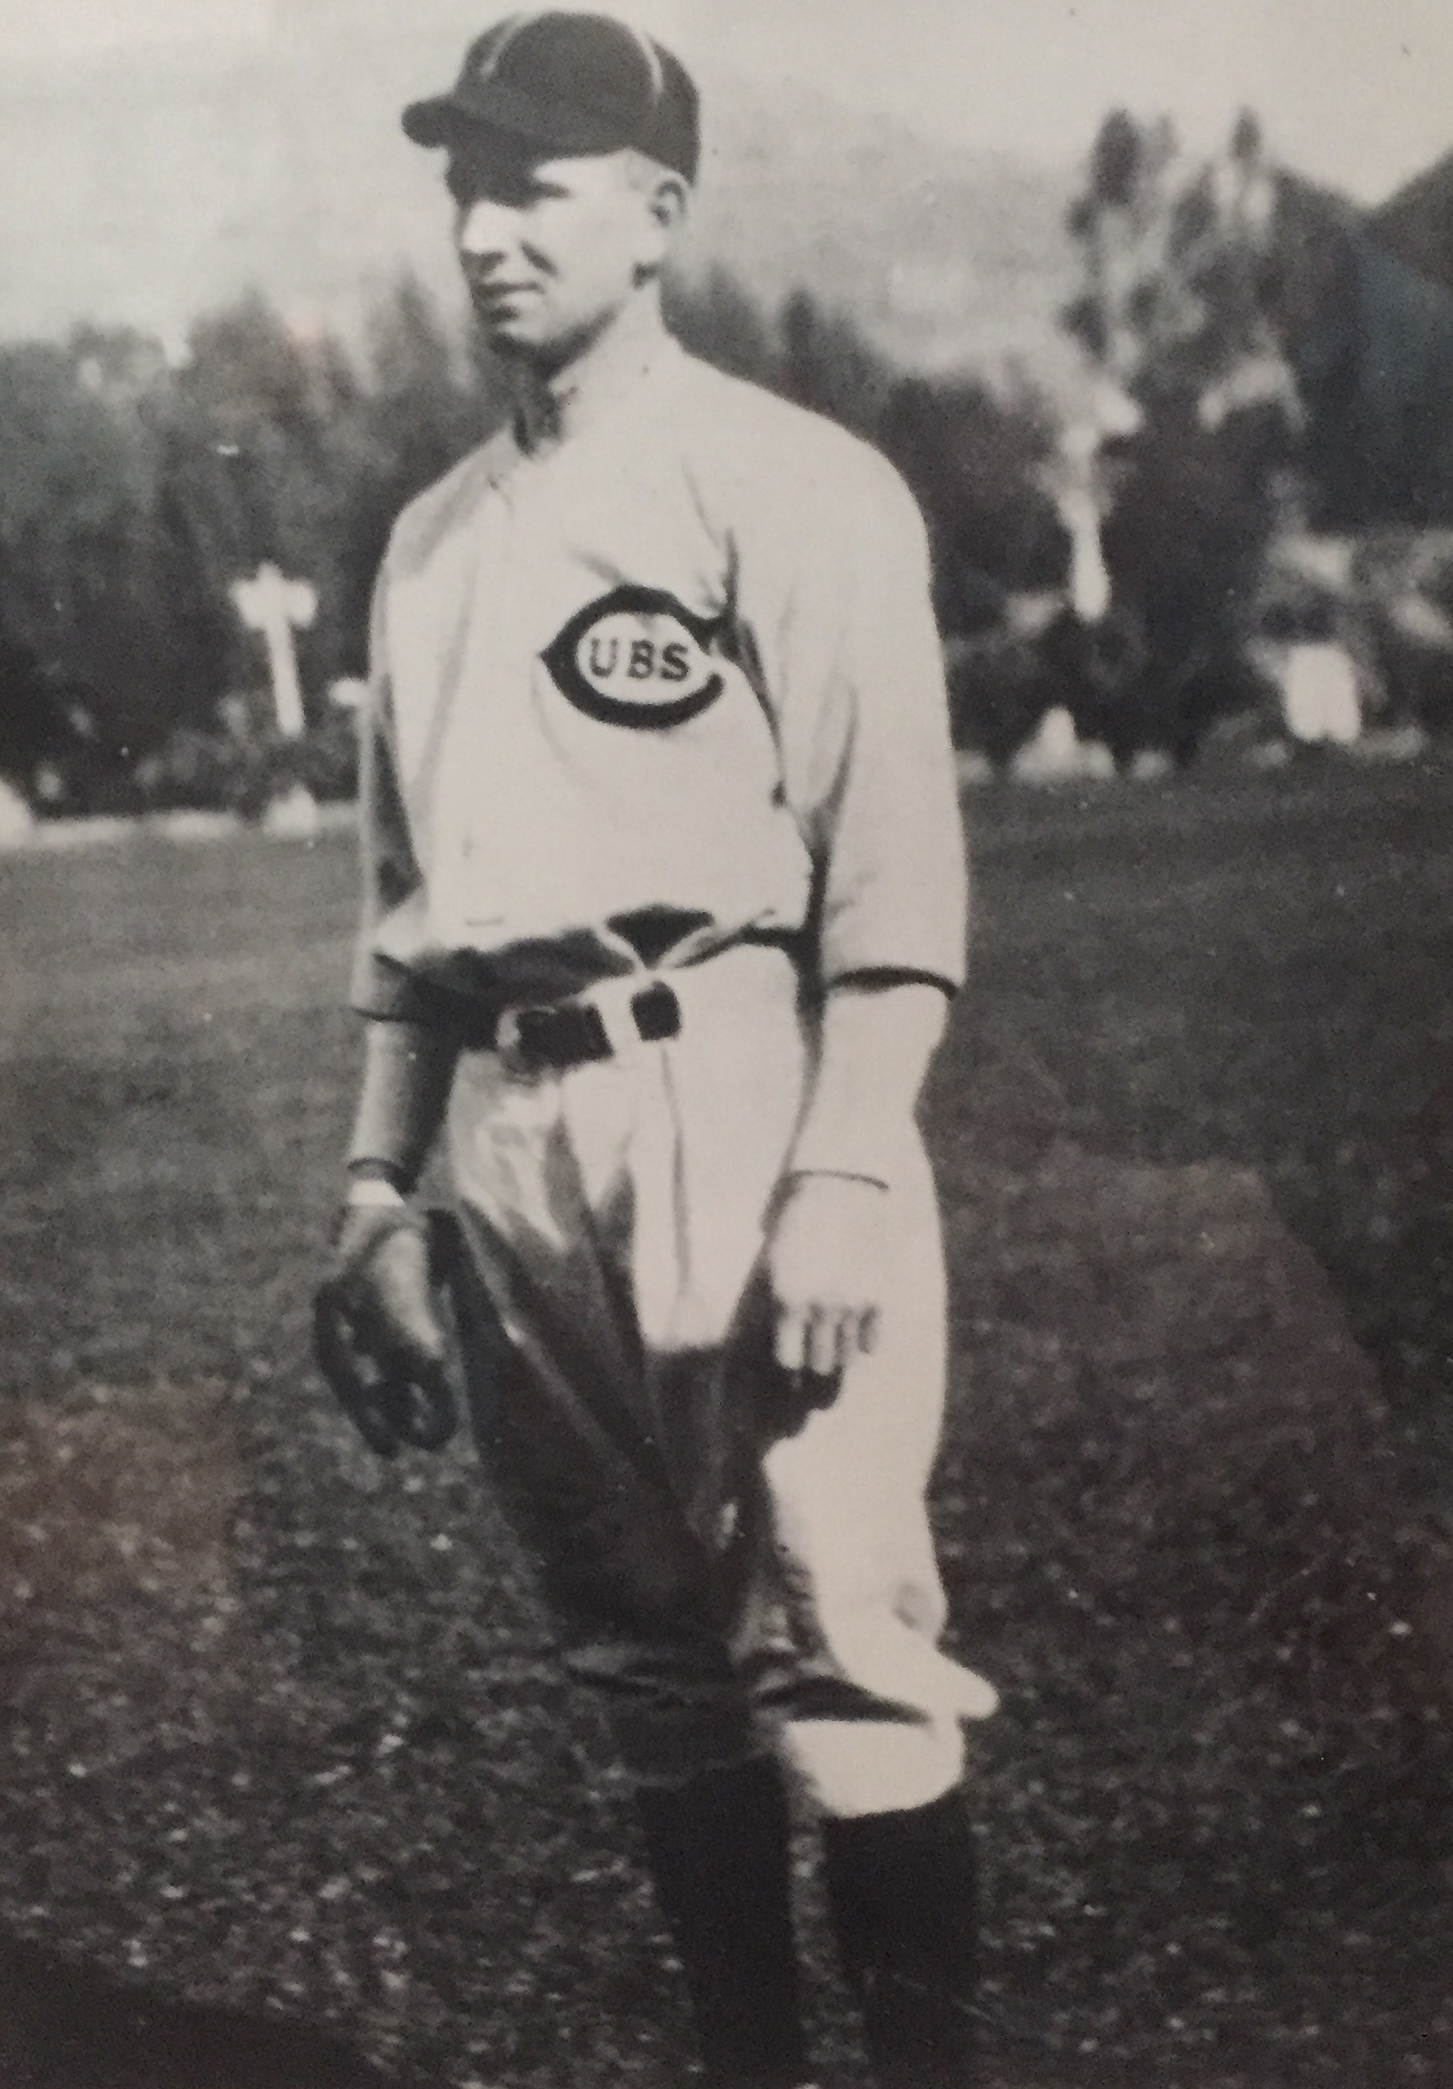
{"points": [[438, 121], [444, 121], [515, 119]]}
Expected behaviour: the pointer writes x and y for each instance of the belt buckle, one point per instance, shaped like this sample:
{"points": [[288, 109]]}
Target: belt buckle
{"points": [[656, 1012], [540, 1038], [608, 1029]]}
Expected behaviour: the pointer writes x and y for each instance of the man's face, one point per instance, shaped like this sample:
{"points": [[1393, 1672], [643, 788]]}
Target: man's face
{"points": [[552, 249]]}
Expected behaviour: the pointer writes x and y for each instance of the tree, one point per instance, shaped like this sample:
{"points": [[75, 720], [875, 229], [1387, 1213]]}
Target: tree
{"points": [[138, 492], [715, 319], [1176, 312], [42, 725], [973, 460], [259, 431], [1121, 224], [426, 400], [79, 590], [825, 363]]}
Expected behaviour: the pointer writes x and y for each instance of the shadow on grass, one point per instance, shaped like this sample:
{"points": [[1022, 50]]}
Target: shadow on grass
{"points": [[66, 2026]]}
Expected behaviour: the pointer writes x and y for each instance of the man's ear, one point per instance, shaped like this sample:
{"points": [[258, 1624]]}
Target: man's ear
{"points": [[667, 196], [668, 199]]}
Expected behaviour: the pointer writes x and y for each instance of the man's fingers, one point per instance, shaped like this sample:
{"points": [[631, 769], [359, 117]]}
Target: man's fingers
{"points": [[826, 1344], [807, 1347], [823, 1340], [811, 1339], [789, 1340]]}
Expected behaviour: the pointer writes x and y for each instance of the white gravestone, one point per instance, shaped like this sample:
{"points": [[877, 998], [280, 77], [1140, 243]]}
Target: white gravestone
{"points": [[277, 607], [1320, 697], [1057, 754], [17, 821]]}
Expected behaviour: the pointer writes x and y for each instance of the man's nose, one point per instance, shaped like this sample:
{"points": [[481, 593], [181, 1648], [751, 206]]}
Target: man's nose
{"points": [[485, 229]]}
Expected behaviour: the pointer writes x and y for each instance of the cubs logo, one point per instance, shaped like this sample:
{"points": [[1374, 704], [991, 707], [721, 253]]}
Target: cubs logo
{"points": [[636, 657]]}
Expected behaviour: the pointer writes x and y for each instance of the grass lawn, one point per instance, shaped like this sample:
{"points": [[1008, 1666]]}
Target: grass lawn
{"points": [[279, 1730]]}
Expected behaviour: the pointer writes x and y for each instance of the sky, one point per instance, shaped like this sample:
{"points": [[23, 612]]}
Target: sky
{"points": [[157, 157], [1355, 92], [1358, 93]]}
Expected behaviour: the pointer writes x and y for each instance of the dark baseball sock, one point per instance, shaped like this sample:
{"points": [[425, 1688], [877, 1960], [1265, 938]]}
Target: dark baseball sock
{"points": [[720, 1856], [902, 1890]]}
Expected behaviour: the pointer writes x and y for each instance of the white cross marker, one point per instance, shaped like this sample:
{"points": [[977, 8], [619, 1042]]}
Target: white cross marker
{"points": [[276, 606], [1073, 480]]}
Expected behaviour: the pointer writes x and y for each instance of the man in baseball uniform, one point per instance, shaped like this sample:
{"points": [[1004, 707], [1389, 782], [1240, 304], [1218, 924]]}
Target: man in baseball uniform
{"points": [[664, 905]]}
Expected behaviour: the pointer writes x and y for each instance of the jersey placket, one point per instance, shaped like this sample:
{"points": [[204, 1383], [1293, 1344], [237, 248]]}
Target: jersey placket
{"points": [[476, 833]]}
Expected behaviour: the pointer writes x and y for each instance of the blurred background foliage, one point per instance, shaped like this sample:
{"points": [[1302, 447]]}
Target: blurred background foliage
{"points": [[1218, 299]]}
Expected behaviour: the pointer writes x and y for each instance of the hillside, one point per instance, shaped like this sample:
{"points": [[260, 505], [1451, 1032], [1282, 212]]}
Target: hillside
{"points": [[1417, 223], [948, 257], [149, 194]]}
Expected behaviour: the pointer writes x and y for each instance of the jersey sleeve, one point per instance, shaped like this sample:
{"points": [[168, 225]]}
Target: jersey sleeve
{"points": [[862, 716], [392, 884]]}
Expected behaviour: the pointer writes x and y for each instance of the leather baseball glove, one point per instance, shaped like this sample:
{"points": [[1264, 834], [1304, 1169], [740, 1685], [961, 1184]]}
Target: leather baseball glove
{"points": [[378, 1331]]}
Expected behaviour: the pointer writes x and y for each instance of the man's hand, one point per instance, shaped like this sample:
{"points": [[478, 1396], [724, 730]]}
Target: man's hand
{"points": [[378, 1336], [824, 1265], [827, 1251]]}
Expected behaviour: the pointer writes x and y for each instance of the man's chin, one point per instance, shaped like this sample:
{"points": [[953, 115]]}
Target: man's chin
{"points": [[534, 348], [510, 341], [504, 333]]}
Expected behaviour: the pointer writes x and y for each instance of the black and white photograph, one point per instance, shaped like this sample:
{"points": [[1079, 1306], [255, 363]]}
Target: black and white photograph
{"points": [[726, 1044]]}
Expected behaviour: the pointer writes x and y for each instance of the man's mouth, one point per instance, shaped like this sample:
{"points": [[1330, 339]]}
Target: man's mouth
{"points": [[492, 294]]}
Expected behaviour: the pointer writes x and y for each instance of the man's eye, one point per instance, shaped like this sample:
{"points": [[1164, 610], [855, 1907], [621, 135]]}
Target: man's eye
{"points": [[509, 191]]}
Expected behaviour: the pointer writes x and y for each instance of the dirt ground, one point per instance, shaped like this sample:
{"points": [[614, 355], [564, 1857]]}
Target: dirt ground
{"points": [[286, 1770]]}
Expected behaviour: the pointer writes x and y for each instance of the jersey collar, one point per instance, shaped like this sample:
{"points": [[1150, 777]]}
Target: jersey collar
{"points": [[602, 390]]}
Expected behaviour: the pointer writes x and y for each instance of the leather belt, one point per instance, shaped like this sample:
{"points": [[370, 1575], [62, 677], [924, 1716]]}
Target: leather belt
{"points": [[553, 1038]]}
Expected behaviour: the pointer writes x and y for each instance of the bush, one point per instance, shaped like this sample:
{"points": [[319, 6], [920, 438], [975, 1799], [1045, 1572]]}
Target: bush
{"points": [[1000, 686], [1417, 677], [325, 760], [192, 771], [228, 772], [1133, 698]]}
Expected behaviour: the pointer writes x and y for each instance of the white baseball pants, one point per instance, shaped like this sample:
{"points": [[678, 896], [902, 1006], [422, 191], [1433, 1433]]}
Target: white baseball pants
{"points": [[715, 1578]]}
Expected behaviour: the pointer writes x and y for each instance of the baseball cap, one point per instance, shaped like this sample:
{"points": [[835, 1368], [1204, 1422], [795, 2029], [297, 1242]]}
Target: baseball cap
{"points": [[571, 84]]}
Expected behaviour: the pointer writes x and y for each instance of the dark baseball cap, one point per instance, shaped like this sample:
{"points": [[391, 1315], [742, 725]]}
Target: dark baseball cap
{"points": [[569, 85]]}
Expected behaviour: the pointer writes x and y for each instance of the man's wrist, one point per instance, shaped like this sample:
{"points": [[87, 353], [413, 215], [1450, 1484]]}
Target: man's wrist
{"points": [[872, 1151], [376, 1182], [813, 1172]]}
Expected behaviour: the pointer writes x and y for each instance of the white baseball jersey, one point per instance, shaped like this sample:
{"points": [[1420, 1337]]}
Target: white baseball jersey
{"points": [[685, 660], [680, 674]]}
